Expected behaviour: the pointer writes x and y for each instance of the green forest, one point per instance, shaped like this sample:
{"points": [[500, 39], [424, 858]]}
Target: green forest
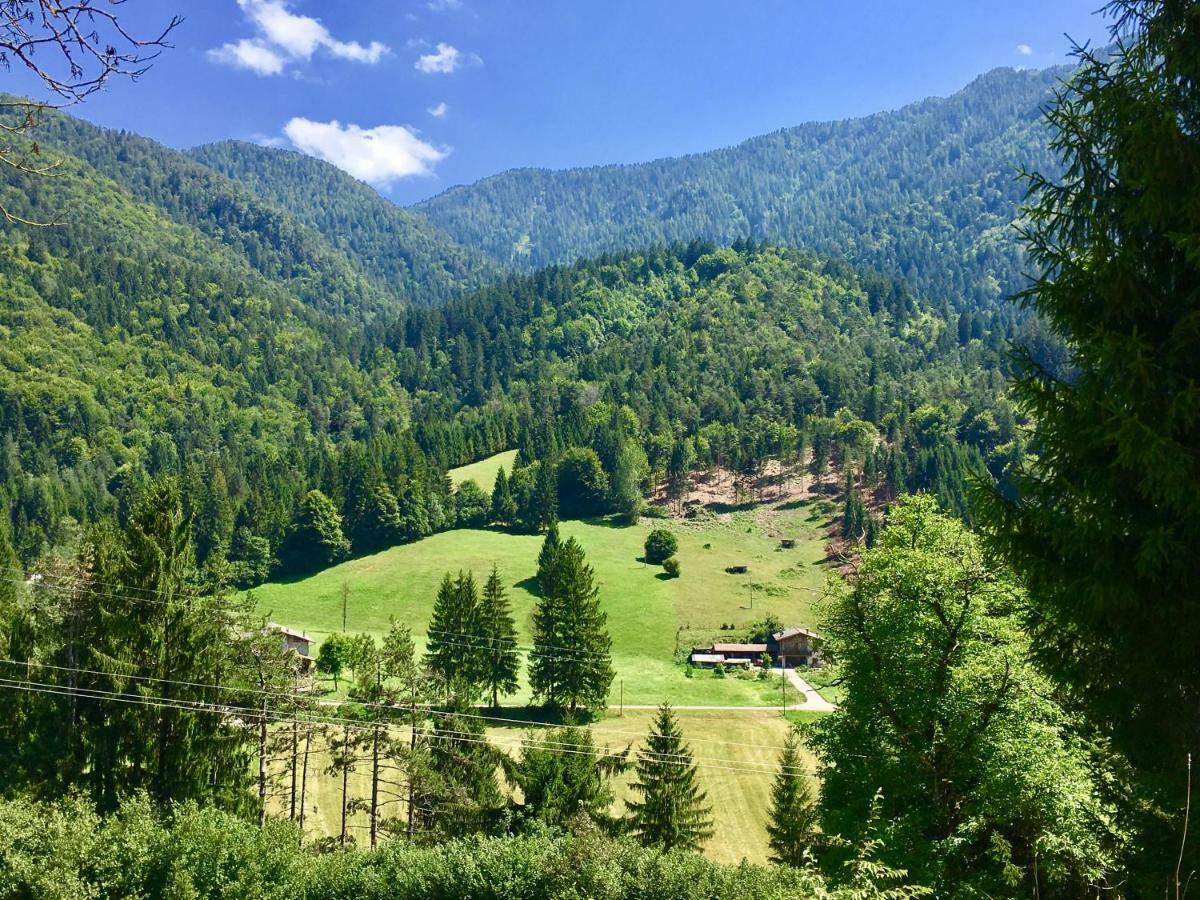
{"points": [[951, 351]]}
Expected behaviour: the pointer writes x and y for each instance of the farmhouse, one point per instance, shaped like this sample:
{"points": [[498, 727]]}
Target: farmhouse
{"points": [[796, 647], [294, 641]]}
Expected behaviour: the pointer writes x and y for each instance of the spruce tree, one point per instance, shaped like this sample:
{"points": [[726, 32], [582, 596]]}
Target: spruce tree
{"points": [[584, 666], [545, 495], [543, 671], [794, 813], [504, 507], [453, 649], [673, 811], [547, 557], [1104, 527], [498, 630]]}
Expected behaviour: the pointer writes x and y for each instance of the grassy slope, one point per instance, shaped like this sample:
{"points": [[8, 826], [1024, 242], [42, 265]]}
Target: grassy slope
{"points": [[647, 613], [484, 471]]}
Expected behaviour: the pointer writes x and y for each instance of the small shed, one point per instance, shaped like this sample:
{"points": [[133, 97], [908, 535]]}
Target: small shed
{"points": [[707, 660], [787, 543], [737, 570]]}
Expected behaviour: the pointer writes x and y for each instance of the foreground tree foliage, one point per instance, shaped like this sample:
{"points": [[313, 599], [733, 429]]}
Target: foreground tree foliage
{"points": [[1104, 526], [66, 851], [124, 621], [985, 787]]}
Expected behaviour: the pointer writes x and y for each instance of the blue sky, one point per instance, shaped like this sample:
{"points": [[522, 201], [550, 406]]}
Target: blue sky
{"points": [[419, 95]]}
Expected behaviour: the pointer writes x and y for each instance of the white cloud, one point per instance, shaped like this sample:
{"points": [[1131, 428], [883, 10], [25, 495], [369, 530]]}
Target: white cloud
{"points": [[444, 60], [444, 5], [1024, 49], [439, 111], [288, 37], [378, 155], [247, 54]]}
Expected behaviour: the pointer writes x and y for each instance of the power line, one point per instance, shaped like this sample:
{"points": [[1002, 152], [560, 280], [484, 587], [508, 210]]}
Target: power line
{"points": [[396, 707], [253, 714]]}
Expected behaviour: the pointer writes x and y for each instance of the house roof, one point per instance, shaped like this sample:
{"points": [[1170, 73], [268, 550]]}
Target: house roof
{"points": [[792, 632], [287, 632], [739, 648], [708, 658]]}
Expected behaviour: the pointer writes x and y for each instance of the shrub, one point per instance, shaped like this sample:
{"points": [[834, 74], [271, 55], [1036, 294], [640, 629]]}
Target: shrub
{"points": [[660, 545], [671, 567]]}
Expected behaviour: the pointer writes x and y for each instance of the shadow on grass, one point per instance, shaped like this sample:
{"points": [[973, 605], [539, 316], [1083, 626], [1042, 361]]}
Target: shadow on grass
{"points": [[516, 717], [614, 520], [731, 507], [530, 584]]}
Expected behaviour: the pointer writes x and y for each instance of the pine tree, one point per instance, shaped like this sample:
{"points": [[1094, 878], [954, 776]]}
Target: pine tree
{"points": [[453, 651], [497, 628], [673, 811], [504, 507], [794, 814], [463, 794]]}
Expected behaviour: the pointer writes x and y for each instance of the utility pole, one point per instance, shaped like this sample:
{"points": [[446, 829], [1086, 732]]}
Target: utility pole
{"points": [[262, 747], [345, 598], [304, 778], [295, 742], [375, 762]]}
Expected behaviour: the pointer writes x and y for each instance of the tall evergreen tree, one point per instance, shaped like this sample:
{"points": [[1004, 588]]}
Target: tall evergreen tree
{"points": [[794, 813], [544, 676], [584, 669], [453, 649], [504, 507], [547, 561], [1105, 526], [498, 630], [545, 495], [673, 812]]}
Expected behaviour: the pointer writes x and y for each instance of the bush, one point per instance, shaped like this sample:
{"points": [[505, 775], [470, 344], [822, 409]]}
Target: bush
{"points": [[671, 567], [660, 545]]}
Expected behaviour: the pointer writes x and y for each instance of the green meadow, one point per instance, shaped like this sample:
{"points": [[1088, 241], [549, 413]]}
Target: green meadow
{"points": [[483, 473], [652, 619]]}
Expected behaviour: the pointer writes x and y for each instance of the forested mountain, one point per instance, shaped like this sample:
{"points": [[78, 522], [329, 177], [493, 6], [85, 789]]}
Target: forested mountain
{"points": [[255, 331], [174, 323], [927, 192], [388, 242]]}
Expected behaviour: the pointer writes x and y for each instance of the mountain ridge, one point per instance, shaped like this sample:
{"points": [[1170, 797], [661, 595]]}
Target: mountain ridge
{"points": [[843, 187]]}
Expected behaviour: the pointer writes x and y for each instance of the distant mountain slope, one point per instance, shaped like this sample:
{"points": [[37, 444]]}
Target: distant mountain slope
{"points": [[394, 244], [926, 192], [267, 238]]}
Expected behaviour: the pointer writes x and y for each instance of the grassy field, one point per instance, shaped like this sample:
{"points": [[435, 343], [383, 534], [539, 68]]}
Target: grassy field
{"points": [[483, 473], [650, 617], [736, 754]]}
